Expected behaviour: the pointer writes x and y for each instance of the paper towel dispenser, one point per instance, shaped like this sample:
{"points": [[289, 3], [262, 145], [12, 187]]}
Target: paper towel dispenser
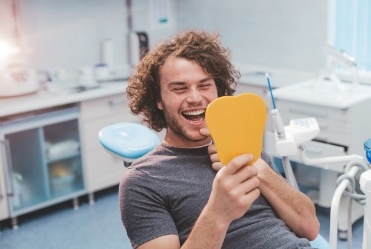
{"points": [[138, 46]]}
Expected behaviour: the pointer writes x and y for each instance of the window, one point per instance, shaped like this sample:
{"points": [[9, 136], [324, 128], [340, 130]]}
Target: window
{"points": [[352, 30]]}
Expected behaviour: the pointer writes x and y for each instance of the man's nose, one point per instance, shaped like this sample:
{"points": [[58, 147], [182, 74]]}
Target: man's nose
{"points": [[194, 96]]}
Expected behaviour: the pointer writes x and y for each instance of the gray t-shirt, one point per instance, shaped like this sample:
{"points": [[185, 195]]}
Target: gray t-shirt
{"points": [[165, 191]]}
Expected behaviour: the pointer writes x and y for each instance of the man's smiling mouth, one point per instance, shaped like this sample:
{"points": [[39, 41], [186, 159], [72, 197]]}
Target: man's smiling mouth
{"points": [[197, 115]]}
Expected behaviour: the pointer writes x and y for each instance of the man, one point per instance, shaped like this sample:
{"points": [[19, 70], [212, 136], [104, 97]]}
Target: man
{"points": [[172, 197]]}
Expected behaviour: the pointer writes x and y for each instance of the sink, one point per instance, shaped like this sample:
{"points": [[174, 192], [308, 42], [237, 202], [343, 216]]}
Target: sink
{"points": [[254, 73], [79, 89], [67, 89]]}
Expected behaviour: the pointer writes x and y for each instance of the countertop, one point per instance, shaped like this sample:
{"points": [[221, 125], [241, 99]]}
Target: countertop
{"points": [[45, 99], [279, 77], [250, 74], [325, 93]]}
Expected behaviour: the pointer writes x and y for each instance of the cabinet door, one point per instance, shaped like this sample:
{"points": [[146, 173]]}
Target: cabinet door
{"points": [[4, 211], [101, 169], [63, 159], [104, 170], [42, 162], [26, 173]]}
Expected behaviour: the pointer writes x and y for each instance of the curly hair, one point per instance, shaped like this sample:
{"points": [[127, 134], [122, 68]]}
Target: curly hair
{"points": [[143, 90]]}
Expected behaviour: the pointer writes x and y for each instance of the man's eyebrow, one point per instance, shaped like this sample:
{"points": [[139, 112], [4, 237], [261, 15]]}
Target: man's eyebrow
{"points": [[183, 82], [176, 83], [206, 79]]}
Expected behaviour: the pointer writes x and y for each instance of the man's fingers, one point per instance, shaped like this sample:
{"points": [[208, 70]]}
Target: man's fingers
{"points": [[238, 162], [211, 149], [214, 157], [205, 132], [217, 166]]}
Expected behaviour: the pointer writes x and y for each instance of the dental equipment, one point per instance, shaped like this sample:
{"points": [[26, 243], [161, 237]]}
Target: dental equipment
{"points": [[338, 58], [290, 140]]}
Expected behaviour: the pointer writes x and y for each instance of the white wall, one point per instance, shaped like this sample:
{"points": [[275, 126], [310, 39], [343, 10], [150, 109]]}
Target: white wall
{"points": [[274, 33], [67, 34], [277, 33]]}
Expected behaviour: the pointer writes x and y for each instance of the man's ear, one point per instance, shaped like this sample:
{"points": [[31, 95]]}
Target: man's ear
{"points": [[159, 105]]}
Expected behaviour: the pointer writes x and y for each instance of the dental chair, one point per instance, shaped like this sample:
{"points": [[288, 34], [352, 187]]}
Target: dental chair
{"points": [[128, 141]]}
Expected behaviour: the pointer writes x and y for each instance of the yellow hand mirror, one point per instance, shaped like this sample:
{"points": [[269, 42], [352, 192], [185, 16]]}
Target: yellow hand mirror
{"points": [[236, 124]]}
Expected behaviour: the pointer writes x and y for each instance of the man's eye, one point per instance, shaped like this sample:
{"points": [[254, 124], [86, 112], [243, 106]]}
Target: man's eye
{"points": [[205, 86], [180, 89]]}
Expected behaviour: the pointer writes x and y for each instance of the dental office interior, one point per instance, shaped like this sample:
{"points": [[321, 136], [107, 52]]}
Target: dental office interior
{"points": [[63, 71]]}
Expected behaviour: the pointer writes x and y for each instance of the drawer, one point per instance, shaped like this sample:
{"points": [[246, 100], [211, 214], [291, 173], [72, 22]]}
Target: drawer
{"points": [[334, 137], [97, 108], [307, 110], [323, 123], [332, 131], [90, 130]]}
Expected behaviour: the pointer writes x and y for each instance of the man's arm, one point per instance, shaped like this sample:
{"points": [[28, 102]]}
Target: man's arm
{"points": [[234, 189], [206, 233], [292, 206]]}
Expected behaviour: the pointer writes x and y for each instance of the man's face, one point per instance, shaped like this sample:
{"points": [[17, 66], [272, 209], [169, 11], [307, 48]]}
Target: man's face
{"points": [[186, 91]]}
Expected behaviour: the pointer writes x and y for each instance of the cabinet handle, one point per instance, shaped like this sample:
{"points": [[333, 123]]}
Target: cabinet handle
{"points": [[307, 112], [8, 166], [114, 103], [313, 151]]}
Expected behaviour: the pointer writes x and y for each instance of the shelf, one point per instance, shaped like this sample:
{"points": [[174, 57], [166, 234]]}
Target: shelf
{"points": [[63, 157]]}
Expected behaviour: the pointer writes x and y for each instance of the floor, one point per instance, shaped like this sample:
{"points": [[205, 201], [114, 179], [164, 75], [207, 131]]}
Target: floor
{"points": [[98, 226]]}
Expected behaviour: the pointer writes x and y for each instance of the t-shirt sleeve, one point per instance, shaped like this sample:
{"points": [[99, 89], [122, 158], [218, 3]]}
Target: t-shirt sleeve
{"points": [[143, 209]]}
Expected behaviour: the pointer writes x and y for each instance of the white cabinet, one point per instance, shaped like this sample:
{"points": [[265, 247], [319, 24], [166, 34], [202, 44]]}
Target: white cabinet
{"points": [[41, 160], [49, 149], [102, 170]]}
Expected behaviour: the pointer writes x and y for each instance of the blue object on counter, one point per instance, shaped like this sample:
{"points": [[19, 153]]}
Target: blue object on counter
{"points": [[367, 146]]}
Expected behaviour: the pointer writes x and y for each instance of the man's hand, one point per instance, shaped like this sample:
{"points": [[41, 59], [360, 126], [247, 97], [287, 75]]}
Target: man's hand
{"points": [[216, 164], [235, 188]]}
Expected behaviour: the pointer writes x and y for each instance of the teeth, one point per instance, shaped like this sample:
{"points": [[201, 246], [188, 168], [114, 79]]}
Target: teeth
{"points": [[198, 112]]}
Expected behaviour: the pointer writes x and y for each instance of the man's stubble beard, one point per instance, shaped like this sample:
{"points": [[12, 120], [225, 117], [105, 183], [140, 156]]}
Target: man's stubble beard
{"points": [[176, 127]]}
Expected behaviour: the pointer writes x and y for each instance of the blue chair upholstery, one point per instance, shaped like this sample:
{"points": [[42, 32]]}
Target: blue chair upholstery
{"points": [[128, 141], [320, 243]]}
